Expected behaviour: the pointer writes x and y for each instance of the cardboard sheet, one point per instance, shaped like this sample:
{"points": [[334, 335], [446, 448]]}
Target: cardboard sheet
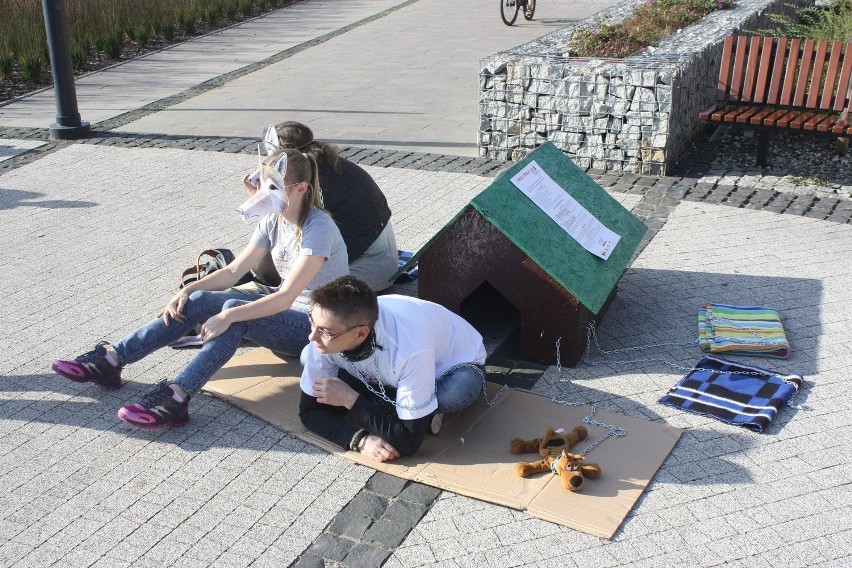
{"points": [[471, 456]]}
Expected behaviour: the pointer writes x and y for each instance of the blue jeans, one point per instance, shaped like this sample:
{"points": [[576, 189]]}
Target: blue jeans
{"points": [[285, 332], [459, 387]]}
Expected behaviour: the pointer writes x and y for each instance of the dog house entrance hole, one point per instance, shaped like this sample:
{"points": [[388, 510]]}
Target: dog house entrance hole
{"points": [[492, 315]]}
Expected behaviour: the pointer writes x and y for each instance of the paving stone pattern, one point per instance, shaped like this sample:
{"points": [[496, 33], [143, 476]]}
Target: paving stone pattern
{"points": [[77, 487], [96, 232]]}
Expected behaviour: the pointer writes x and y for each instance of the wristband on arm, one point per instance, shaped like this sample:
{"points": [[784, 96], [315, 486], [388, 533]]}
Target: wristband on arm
{"points": [[356, 439]]}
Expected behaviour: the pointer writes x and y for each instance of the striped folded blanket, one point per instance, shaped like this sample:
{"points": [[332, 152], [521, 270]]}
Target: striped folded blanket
{"points": [[722, 390], [741, 330]]}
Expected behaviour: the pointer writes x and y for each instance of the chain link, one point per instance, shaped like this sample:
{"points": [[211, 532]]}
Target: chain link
{"points": [[591, 334], [382, 394], [612, 431]]}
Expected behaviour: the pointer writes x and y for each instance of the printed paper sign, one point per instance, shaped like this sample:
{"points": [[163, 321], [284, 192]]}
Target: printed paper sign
{"points": [[592, 235]]}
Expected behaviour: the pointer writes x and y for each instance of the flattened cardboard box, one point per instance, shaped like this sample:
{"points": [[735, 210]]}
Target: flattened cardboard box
{"points": [[471, 455]]}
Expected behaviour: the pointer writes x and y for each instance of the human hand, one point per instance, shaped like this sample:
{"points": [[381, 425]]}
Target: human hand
{"points": [[174, 309], [214, 327], [334, 392], [377, 448], [250, 186]]}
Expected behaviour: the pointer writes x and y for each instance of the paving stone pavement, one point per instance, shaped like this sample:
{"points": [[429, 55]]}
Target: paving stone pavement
{"points": [[95, 232]]}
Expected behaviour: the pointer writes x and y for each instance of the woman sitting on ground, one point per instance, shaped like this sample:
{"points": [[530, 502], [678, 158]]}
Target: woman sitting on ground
{"points": [[355, 202], [307, 251]]}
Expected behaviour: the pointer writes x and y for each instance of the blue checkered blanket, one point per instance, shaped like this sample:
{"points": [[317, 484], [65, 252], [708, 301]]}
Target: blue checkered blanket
{"points": [[717, 388]]}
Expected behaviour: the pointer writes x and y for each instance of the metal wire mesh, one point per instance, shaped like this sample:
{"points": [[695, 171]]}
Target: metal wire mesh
{"points": [[605, 115]]}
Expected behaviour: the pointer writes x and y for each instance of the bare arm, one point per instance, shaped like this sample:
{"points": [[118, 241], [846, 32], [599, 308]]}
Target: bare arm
{"points": [[219, 280], [300, 276]]}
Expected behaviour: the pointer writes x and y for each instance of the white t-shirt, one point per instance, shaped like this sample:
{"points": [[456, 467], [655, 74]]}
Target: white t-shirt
{"points": [[320, 237], [416, 342]]}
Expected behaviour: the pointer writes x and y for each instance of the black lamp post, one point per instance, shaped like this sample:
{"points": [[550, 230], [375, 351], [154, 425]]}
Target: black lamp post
{"points": [[68, 125]]}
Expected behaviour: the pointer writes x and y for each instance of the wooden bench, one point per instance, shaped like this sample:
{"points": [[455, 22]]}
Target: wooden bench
{"points": [[798, 84]]}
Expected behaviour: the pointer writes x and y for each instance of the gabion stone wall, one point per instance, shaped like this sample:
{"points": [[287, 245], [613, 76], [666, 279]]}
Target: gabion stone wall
{"points": [[634, 114]]}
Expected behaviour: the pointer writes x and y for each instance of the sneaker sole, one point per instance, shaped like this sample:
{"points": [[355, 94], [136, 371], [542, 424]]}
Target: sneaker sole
{"points": [[59, 371], [147, 425]]}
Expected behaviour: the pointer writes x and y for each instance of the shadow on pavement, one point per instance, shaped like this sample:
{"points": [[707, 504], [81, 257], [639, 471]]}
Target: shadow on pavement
{"points": [[14, 198]]}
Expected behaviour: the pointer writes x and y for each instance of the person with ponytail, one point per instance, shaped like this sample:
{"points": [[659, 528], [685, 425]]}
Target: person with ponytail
{"points": [[354, 200], [306, 250]]}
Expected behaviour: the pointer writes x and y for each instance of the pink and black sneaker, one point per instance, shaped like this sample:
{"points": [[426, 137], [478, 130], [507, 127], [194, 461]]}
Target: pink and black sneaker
{"points": [[156, 409], [91, 367]]}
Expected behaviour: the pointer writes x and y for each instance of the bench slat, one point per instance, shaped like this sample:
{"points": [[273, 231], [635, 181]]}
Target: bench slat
{"points": [[777, 72], [843, 126], [758, 118], [821, 122], [801, 121], [788, 117], [816, 85], [763, 69], [731, 115], [735, 90], [720, 113], [843, 84], [744, 117], [790, 72], [751, 69], [804, 71], [772, 119], [831, 75], [725, 71]]}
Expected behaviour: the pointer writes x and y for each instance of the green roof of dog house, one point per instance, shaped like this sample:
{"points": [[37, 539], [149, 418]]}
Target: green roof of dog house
{"points": [[587, 277]]}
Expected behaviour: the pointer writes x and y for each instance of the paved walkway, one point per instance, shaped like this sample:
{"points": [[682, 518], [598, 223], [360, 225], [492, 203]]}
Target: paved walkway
{"points": [[95, 233]]}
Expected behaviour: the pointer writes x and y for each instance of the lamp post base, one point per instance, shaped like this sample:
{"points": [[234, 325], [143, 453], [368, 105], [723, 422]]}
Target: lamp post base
{"points": [[58, 132]]}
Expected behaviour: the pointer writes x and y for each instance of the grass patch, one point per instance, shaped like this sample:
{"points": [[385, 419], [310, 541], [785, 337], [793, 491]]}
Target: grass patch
{"points": [[798, 181]]}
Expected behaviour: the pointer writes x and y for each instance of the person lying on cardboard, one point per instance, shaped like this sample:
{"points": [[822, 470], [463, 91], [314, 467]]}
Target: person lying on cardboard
{"points": [[379, 372]]}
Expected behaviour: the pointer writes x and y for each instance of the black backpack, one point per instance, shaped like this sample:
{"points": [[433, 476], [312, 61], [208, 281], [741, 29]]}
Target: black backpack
{"points": [[210, 261]]}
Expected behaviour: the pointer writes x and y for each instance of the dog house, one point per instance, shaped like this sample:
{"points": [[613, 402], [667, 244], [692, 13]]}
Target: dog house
{"points": [[506, 239]]}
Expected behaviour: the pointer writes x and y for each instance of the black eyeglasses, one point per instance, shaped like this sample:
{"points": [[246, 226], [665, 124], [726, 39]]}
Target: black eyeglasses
{"points": [[325, 334]]}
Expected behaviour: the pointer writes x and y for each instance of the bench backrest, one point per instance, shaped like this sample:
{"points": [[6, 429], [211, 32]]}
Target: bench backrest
{"points": [[786, 72]]}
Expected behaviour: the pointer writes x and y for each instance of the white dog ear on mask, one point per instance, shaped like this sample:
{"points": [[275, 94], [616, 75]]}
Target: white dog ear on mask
{"points": [[281, 165], [270, 139]]}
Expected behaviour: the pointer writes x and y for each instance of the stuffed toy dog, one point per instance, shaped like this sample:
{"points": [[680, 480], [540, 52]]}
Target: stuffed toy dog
{"points": [[554, 447], [569, 467], [551, 444]]}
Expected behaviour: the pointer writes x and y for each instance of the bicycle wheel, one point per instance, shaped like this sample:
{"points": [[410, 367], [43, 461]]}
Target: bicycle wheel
{"points": [[530, 11], [509, 11]]}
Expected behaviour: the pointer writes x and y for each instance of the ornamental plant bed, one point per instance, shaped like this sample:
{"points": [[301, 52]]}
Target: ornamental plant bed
{"points": [[104, 32], [650, 23]]}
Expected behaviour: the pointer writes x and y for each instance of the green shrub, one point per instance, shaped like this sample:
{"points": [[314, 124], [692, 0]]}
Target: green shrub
{"points": [[6, 61], [78, 59], [231, 11], [111, 44], [143, 36], [211, 16], [31, 67], [831, 23], [167, 30], [186, 22]]}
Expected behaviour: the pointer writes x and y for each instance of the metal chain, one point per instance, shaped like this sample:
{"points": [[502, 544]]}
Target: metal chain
{"points": [[612, 431], [381, 393], [592, 334]]}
